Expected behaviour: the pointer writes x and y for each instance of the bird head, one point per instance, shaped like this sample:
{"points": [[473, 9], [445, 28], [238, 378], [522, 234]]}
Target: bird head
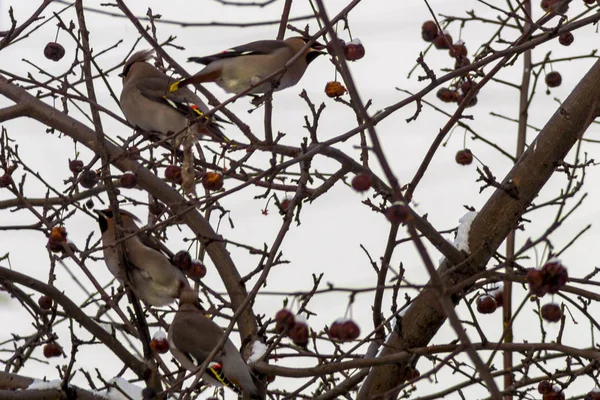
{"points": [[140, 56], [106, 219], [313, 51]]}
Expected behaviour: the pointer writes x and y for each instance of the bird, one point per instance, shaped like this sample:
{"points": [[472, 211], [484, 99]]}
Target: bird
{"points": [[193, 336], [238, 69], [150, 273], [148, 104]]}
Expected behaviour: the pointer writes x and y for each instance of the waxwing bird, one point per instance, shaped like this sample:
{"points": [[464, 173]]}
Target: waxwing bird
{"points": [[150, 273], [237, 69], [148, 104], [193, 336]]}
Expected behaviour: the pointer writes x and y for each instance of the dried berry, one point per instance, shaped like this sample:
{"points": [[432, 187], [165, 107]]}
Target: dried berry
{"points": [[553, 79], [299, 334], [334, 89], [212, 181], [6, 180], [555, 276], [429, 31], [284, 319], [334, 330], [551, 312], [443, 41], [397, 213], [330, 48], [458, 50], [89, 204], [499, 297], [284, 205], [467, 86], [182, 260], [361, 182], [593, 395], [159, 345], [45, 302], [471, 103], [156, 207], [54, 51], [447, 95], [566, 38], [464, 157], [544, 387], [52, 350], [486, 304], [462, 62], [354, 50], [89, 179], [173, 174], [197, 270], [557, 6], [76, 166], [554, 395], [58, 234], [128, 180], [348, 331]]}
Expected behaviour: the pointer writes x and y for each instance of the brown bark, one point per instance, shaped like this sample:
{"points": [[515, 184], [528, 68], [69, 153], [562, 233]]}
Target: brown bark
{"points": [[499, 215]]}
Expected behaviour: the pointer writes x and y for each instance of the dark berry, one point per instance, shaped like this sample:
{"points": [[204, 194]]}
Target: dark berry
{"points": [[54, 51], [464, 157]]}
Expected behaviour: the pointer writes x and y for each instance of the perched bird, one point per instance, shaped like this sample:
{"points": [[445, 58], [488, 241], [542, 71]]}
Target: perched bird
{"points": [[237, 69], [150, 273], [193, 336], [148, 104]]}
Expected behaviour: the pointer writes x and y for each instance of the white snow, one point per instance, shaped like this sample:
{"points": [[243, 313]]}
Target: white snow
{"points": [[355, 41], [43, 385], [596, 389], [258, 350], [299, 318], [461, 241], [159, 335], [134, 392]]}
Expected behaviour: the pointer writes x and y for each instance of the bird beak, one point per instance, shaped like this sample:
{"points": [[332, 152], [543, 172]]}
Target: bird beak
{"points": [[318, 46], [98, 212], [120, 76]]}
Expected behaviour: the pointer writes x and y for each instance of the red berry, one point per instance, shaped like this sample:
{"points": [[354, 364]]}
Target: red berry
{"points": [[52, 349], [545, 387], [284, 205], [458, 50], [299, 334], [173, 174], [76, 166], [361, 182], [58, 234], [45, 302], [553, 79], [566, 38], [499, 297], [182, 260], [429, 31], [447, 95], [589, 1], [442, 41], [54, 51], [593, 395], [212, 181], [197, 270], [461, 62], [89, 179], [6, 180], [284, 319], [349, 331], [334, 330], [159, 345], [330, 48], [467, 86], [156, 207], [128, 180], [551, 312], [535, 279], [471, 103], [354, 50], [555, 276], [464, 157], [397, 213], [486, 304]]}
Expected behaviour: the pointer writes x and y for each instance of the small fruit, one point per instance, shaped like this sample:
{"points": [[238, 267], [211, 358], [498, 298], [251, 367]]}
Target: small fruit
{"points": [[58, 234], [593, 395], [551, 312], [464, 157], [442, 41], [128, 180], [471, 103], [334, 89], [553, 5], [6, 180], [299, 334], [458, 49], [467, 86], [89, 204], [89, 179], [589, 1], [45, 302], [447, 95], [348, 331], [553, 79], [284, 319], [52, 349], [330, 48], [148, 394], [429, 31], [354, 50], [182, 260], [197, 270], [566, 38], [284, 205], [499, 297], [156, 207], [361, 182], [461, 62], [397, 213], [54, 51], [159, 345], [555, 275], [486, 304], [334, 330], [212, 180], [173, 174], [76, 166], [544, 387]]}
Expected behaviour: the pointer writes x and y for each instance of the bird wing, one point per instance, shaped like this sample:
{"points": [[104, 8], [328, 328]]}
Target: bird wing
{"points": [[254, 48], [195, 335]]}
